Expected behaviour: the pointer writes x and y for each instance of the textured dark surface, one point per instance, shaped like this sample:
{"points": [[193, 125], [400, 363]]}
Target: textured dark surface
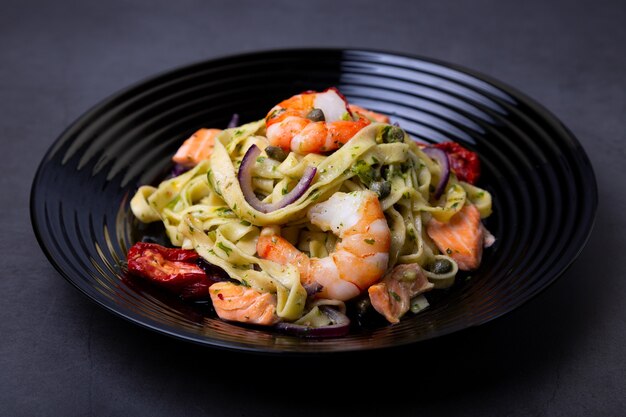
{"points": [[561, 354]]}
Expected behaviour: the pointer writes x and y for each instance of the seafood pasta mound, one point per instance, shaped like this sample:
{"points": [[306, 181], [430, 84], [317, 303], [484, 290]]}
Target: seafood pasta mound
{"points": [[320, 207]]}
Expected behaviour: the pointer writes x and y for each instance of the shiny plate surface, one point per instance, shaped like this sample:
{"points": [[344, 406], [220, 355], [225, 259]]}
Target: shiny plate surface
{"points": [[543, 186]]}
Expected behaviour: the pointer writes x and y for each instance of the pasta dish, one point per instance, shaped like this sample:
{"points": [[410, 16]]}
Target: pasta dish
{"points": [[291, 220]]}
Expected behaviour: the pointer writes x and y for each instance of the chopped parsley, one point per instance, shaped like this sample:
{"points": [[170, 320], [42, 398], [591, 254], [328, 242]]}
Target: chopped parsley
{"points": [[225, 248], [315, 195], [224, 211]]}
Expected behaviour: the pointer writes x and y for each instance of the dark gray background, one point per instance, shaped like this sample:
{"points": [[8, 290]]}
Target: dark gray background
{"points": [[562, 354]]}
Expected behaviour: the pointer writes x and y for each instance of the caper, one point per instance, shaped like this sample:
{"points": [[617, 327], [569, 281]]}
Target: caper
{"points": [[385, 172], [393, 134], [441, 266], [364, 313], [382, 188], [363, 306], [316, 115], [390, 171], [276, 152]]}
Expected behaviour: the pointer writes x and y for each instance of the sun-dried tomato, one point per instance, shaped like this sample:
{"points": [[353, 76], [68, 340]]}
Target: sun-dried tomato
{"points": [[174, 269]]}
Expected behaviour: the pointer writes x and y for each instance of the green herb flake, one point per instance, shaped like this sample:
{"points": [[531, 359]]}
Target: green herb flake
{"points": [[172, 204], [224, 211], [369, 241], [225, 248], [314, 196], [364, 171], [384, 130], [395, 296], [275, 113]]}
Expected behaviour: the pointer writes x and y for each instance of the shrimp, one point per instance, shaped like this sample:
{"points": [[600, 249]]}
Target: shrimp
{"points": [[372, 115], [360, 259], [196, 148], [462, 238], [312, 122], [243, 304], [392, 296]]}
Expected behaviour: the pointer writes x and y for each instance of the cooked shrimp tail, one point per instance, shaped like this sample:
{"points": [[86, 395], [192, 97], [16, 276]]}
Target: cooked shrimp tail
{"points": [[313, 122], [196, 148], [360, 258]]}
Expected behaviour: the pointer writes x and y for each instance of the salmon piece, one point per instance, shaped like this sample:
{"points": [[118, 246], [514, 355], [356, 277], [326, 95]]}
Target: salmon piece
{"points": [[462, 238], [196, 148], [376, 117], [392, 296], [243, 304]]}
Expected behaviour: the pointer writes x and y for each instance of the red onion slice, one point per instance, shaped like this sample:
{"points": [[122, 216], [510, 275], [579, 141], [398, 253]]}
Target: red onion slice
{"points": [[234, 121], [442, 159], [177, 170], [312, 288], [340, 326], [245, 181]]}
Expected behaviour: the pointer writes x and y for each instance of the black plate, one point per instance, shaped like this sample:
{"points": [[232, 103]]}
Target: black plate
{"points": [[543, 185]]}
